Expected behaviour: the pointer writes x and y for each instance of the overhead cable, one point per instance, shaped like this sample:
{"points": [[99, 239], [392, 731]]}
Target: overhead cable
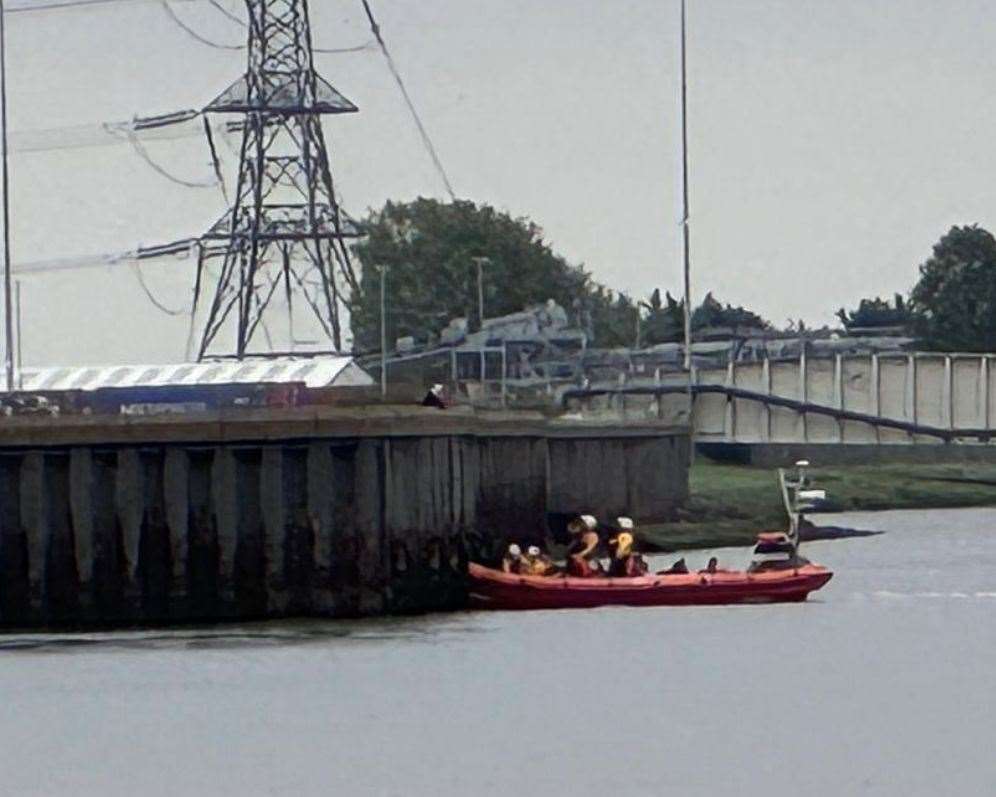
{"points": [[140, 150], [375, 28], [179, 124], [227, 13], [151, 296], [21, 6], [194, 34]]}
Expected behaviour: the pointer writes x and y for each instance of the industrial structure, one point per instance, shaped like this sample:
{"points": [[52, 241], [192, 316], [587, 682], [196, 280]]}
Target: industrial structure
{"points": [[285, 230]]}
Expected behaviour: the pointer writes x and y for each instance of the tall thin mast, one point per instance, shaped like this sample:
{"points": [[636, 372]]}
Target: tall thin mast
{"points": [[684, 198], [8, 356]]}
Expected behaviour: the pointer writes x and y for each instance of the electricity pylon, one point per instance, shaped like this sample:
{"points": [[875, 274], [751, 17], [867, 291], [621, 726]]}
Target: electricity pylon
{"points": [[285, 228]]}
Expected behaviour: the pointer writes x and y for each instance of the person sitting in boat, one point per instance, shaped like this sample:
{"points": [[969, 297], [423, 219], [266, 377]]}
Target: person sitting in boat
{"points": [[625, 563], [713, 567], [538, 563], [678, 568], [583, 549], [512, 561]]}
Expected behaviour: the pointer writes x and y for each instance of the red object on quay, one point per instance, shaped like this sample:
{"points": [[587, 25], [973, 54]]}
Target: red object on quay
{"points": [[493, 589]]}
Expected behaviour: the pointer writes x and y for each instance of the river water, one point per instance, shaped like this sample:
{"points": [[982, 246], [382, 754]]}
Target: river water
{"points": [[884, 683]]}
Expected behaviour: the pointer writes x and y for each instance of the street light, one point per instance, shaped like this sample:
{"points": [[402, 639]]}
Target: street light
{"points": [[382, 270], [481, 262]]}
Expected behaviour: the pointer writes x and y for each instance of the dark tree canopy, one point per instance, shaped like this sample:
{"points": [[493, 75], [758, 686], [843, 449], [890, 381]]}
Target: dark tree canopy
{"points": [[713, 313], [955, 297], [429, 248], [877, 312]]}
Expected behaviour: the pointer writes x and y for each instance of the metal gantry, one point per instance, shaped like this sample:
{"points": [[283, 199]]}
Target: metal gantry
{"points": [[285, 227]]}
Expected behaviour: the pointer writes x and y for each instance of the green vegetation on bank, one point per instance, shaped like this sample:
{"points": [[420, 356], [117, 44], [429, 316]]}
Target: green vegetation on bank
{"points": [[729, 504]]}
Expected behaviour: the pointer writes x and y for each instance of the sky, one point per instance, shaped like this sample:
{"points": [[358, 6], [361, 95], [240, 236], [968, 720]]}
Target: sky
{"points": [[830, 143]]}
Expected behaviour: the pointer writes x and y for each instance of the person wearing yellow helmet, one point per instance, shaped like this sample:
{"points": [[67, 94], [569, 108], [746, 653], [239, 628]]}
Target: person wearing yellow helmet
{"points": [[625, 563]]}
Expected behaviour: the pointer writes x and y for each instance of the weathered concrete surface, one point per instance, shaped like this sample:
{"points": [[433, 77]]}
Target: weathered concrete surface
{"points": [[320, 511]]}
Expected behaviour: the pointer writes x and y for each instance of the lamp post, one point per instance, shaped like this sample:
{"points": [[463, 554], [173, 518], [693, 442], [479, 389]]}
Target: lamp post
{"points": [[8, 359], [684, 199], [382, 270], [481, 263]]}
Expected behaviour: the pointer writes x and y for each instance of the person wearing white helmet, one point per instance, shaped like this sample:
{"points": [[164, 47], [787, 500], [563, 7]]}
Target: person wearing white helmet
{"points": [[583, 550], [512, 561], [538, 563], [625, 563]]}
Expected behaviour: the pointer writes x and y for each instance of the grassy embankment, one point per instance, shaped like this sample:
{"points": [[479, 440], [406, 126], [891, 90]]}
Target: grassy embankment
{"points": [[729, 504]]}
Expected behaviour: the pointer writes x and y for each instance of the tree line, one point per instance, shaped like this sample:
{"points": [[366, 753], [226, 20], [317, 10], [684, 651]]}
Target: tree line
{"points": [[433, 250]]}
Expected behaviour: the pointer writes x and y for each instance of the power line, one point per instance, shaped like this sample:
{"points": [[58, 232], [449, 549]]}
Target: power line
{"points": [[375, 28], [151, 296], [194, 34], [144, 155], [22, 6], [227, 13]]}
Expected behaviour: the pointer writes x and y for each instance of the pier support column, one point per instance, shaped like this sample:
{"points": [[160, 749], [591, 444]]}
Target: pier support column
{"points": [[81, 502], [61, 576], [203, 554], [130, 502], [297, 533], [322, 486], [225, 503], [15, 589], [250, 552], [369, 523], [110, 564], [176, 479]]}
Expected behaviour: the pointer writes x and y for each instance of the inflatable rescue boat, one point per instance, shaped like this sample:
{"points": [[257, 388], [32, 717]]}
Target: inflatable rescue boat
{"points": [[494, 589]]}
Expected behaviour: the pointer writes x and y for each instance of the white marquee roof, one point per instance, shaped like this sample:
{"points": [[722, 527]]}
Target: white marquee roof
{"points": [[313, 372]]}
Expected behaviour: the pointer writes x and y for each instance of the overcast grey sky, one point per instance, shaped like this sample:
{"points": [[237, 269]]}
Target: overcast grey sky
{"points": [[831, 143]]}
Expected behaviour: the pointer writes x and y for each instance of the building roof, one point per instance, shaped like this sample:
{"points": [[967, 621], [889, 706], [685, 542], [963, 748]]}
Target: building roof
{"points": [[313, 372]]}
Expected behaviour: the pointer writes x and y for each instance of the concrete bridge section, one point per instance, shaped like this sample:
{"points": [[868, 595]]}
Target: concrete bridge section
{"points": [[324, 511], [904, 406]]}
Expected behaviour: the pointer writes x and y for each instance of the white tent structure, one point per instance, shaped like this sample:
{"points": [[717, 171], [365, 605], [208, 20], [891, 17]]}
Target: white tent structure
{"points": [[313, 372]]}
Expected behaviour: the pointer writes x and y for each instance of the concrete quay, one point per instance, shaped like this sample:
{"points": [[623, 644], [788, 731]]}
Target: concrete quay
{"points": [[314, 511]]}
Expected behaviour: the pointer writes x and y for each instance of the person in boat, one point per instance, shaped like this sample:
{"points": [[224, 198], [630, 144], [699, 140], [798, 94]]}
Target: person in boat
{"points": [[713, 567], [538, 563], [583, 550], [512, 561], [625, 563], [678, 568]]}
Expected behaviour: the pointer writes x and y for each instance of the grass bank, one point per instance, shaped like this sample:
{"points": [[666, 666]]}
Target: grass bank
{"points": [[729, 504]]}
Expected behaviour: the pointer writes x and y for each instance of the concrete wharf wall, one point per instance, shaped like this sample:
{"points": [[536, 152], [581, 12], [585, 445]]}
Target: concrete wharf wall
{"points": [[309, 511]]}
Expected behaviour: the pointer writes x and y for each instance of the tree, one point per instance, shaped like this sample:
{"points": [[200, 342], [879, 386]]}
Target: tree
{"points": [[665, 321], [712, 313], [877, 312], [429, 248], [955, 298]]}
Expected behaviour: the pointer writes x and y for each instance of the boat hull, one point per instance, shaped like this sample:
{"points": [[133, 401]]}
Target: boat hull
{"points": [[493, 589]]}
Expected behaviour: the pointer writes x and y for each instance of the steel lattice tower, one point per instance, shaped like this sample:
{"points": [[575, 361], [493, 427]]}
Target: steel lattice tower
{"points": [[285, 226]]}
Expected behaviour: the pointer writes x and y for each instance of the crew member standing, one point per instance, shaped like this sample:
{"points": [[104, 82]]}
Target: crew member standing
{"points": [[584, 547]]}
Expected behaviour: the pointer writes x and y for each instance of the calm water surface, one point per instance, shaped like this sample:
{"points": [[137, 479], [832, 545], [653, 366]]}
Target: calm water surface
{"points": [[883, 684]]}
